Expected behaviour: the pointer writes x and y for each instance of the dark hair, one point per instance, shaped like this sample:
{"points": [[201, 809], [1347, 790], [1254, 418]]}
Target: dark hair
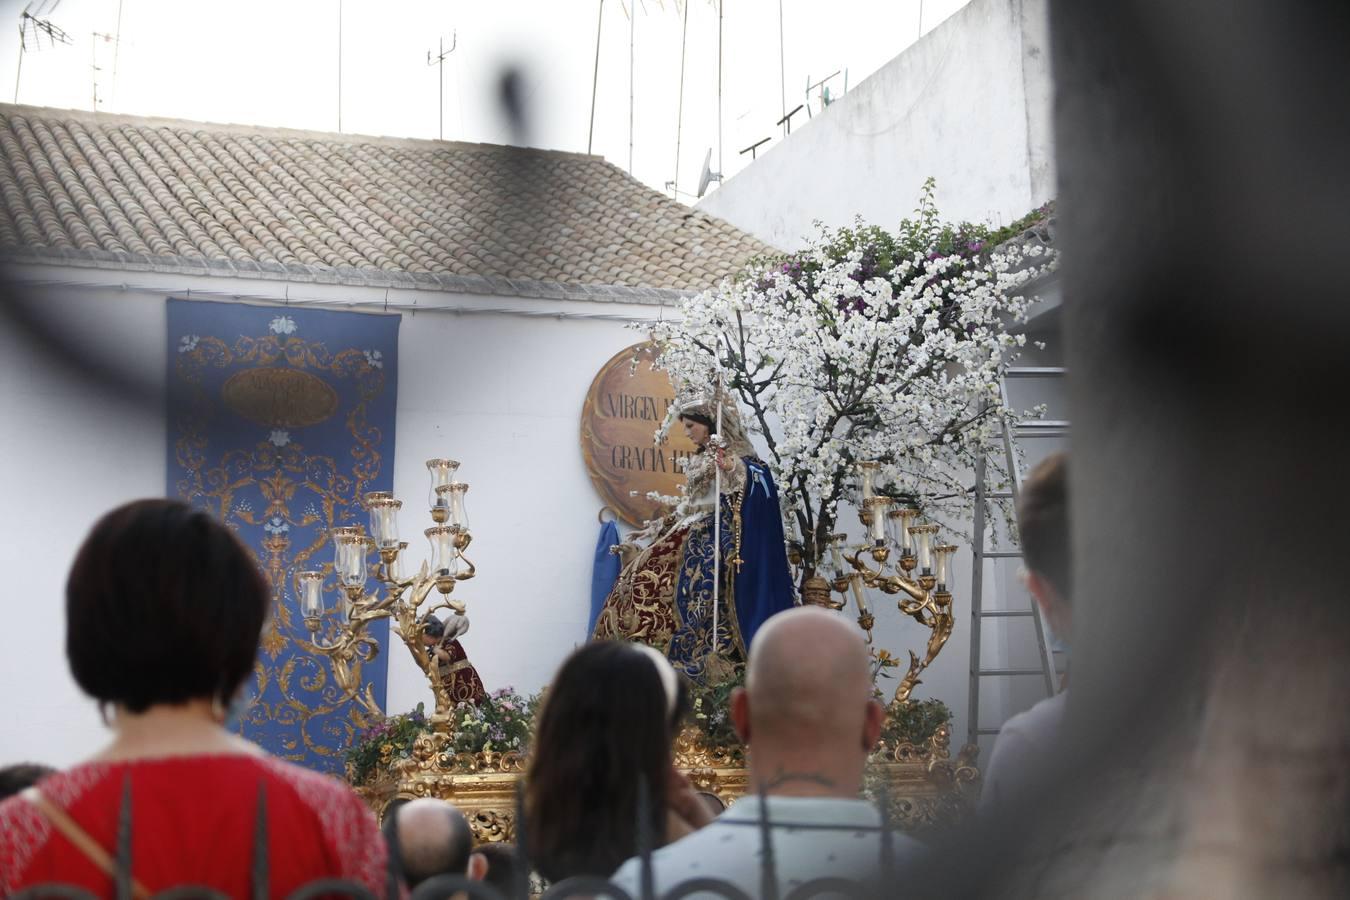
{"points": [[505, 868], [701, 419], [422, 860], [21, 776], [603, 733], [163, 605], [435, 627], [1043, 523]]}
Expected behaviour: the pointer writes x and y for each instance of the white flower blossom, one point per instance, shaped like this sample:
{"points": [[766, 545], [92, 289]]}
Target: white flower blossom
{"points": [[851, 362]]}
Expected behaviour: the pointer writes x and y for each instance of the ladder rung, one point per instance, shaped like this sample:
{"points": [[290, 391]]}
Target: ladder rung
{"points": [[1000, 672], [1002, 554], [1005, 613], [999, 495], [1033, 371]]}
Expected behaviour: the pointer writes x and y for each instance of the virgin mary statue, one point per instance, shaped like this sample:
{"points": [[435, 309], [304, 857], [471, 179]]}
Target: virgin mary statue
{"points": [[666, 593]]}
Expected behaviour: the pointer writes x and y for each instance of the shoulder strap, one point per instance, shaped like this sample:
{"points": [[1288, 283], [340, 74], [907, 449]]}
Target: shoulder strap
{"points": [[80, 838]]}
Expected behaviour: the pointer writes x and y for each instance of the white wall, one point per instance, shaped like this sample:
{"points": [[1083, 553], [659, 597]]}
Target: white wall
{"points": [[502, 394], [969, 104]]}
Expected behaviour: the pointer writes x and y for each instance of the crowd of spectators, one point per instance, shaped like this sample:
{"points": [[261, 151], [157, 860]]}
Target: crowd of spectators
{"points": [[164, 610]]}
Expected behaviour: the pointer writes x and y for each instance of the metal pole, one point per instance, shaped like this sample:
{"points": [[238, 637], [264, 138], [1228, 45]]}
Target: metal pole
{"points": [[632, 34], [679, 107], [117, 45], [782, 76], [595, 77], [920, 18], [976, 601], [440, 88], [18, 73], [717, 509], [339, 72], [720, 170]]}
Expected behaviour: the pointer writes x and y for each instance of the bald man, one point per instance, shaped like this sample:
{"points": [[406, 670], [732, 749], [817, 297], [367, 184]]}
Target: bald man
{"points": [[807, 717], [432, 839]]}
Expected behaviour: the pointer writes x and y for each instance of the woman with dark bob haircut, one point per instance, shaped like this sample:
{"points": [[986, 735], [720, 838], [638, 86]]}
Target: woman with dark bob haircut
{"points": [[164, 608], [606, 729]]}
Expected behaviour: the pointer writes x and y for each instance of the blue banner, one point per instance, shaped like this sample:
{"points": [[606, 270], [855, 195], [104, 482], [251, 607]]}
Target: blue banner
{"points": [[279, 420]]}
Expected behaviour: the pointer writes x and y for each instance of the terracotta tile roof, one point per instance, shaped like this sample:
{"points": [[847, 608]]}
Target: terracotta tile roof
{"points": [[286, 204]]}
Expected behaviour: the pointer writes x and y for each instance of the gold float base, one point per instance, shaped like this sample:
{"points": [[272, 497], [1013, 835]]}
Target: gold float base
{"points": [[925, 789]]}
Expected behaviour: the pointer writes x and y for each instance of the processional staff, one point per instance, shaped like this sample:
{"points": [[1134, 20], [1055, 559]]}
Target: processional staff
{"points": [[717, 513]]}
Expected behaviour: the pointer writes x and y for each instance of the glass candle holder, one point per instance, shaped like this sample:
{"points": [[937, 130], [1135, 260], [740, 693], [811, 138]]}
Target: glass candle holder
{"points": [[311, 594], [384, 520], [351, 559], [442, 472], [444, 556], [944, 554], [451, 497]]}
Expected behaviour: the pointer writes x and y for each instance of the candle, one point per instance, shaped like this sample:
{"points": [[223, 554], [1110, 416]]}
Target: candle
{"points": [[856, 584], [837, 556], [868, 470], [878, 520]]}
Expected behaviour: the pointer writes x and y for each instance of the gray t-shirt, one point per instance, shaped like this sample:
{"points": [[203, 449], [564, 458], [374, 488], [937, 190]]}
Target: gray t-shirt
{"points": [[729, 848], [1025, 744]]}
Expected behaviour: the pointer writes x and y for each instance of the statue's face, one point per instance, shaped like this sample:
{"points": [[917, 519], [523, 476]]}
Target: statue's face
{"points": [[695, 431]]}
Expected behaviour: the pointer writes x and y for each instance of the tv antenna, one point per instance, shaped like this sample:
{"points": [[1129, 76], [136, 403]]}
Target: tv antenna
{"points": [[439, 62], [674, 183], [707, 176], [824, 92], [34, 30]]}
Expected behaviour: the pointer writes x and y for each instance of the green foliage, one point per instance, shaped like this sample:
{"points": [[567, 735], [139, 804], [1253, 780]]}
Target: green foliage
{"points": [[914, 721], [377, 747], [502, 722], [711, 713]]}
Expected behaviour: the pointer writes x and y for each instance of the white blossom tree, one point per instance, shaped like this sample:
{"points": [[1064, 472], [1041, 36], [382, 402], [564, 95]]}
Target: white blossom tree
{"points": [[868, 345]]}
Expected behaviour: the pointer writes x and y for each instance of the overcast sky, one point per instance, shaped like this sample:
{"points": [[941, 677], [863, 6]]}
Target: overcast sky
{"points": [[275, 62]]}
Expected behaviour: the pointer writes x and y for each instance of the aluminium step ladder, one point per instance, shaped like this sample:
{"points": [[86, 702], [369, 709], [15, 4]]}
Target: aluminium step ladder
{"points": [[1033, 428]]}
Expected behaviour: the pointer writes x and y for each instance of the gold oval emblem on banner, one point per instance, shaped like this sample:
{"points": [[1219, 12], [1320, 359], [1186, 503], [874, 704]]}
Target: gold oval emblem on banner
{"points": [[623, 409], [281, 398]]}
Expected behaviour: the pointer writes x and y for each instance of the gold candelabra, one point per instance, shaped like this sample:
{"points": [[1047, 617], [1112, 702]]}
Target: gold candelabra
{"points": [[901, 556], [346, 641]]}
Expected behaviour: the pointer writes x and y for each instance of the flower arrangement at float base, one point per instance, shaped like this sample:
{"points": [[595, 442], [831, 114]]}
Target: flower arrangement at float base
{"points": [[502, 722], [867, 345]]}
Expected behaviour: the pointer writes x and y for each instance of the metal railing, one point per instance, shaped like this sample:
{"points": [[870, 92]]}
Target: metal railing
{"points": [[442, 886]]}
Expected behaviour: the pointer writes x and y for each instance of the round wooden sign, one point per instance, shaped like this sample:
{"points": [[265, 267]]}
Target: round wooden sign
{"points": [[623, 409]]}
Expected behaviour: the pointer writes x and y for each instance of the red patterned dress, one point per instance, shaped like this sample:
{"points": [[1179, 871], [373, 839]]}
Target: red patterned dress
{"points": [[193, 820]]}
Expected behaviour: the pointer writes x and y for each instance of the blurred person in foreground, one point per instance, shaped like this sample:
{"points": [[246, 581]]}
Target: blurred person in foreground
{"points": [[604, 736], [164, 608], [809, 722], [430, 837], [1030, 739]]}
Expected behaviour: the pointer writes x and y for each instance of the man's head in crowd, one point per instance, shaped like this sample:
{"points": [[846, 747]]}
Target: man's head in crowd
{"points": [[431, 838], [20, 777], [806, 711], [505, 869], [1043, 523]]}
